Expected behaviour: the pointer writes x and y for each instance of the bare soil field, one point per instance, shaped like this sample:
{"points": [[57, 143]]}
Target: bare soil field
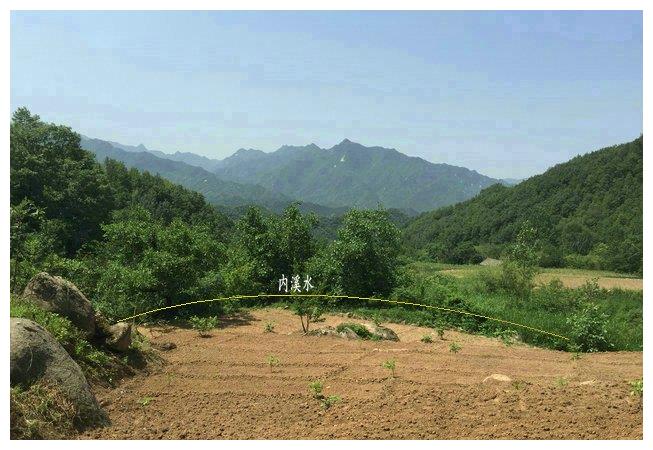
{"points": [[576, 281], [569, 278], [222, 387]]}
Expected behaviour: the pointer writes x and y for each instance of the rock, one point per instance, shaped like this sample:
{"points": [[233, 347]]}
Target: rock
{"points": [[164, 346], [497, 377], [36, 356], [587, 383], [382, 332], [330, 331], [119, 337], [62, 297]]}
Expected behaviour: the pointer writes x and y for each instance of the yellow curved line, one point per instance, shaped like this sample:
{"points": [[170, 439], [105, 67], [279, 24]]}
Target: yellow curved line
{"points": [[398, 302]]}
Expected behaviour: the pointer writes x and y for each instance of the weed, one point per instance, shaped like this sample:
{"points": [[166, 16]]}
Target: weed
{"points": [[508, 337], [427, 339], [440, 331], [454, 347], [561, 382], [316, 388], [40, 412], [273, 361], [519, 384], [269, 327], [576, 356], [391, 365], [145, 401], [330, 401], [204, 325], [637, 388]]}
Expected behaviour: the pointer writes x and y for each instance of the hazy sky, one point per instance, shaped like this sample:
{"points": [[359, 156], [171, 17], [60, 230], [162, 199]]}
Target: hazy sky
{"points": [[508, 94]]}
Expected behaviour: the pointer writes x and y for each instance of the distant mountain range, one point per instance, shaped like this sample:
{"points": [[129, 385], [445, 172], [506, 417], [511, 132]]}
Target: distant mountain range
{"points": [[343, 176]]}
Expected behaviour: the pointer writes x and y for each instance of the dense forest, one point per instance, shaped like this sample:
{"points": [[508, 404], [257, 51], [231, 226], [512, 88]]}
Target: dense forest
{"points": [[587, 213], [136, 241]]}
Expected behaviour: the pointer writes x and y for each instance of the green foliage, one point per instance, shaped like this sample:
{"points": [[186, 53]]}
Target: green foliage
{"points": [[363, 260], [41, 412], [269, 327], [95, 363], [589, 206], [587, 329], [308, 309], [454, 347], [357, 328], [427, 339], [273, 361], [637, 388], [204, 325], [316, 388], [391, 365]]}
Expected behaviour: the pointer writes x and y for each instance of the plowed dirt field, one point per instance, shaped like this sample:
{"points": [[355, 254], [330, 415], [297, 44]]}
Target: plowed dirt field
{"points": [[222, 387]]}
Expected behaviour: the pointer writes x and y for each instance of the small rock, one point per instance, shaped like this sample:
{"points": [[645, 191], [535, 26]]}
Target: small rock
{"points": [[587, 383], [497, 377], [164, 346], [120, 337]]}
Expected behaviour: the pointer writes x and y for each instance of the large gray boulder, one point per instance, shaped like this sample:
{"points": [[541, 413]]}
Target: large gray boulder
{"points": [[60, 296], [36, 356], [382, 332]]}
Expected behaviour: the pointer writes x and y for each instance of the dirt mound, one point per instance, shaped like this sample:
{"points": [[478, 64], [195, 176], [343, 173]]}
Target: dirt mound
{"points": [[223, 388]]}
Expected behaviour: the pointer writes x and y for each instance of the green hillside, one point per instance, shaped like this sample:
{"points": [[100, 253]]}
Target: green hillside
{"points": [[587, 213], [352, 175], [217, 191]]}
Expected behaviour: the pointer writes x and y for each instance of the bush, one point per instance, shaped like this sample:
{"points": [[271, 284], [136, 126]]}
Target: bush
{"points": [[204, 324], [588, 329]]}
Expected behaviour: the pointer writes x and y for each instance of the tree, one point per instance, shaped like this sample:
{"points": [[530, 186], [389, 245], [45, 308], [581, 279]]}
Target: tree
{"points": [[363, 260]]}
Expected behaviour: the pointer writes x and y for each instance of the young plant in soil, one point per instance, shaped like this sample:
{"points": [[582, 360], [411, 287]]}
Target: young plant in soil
{"points": [[391, 365], [316, 387], [269, 327], [273, 362], [427, 339], [454, 347]]}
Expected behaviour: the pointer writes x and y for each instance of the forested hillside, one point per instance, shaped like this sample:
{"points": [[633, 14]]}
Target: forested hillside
{"points": [[587, 213], [353, 175]]}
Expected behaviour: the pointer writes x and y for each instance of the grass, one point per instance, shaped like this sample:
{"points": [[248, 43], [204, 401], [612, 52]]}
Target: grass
{"points": [[637, 388], [97, 364], [360, 330], [427, 339], [454, 347], [40, 412]]}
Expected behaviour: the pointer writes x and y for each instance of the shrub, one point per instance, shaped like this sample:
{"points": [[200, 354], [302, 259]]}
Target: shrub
{"points": [[308, 311], [269, 327], [204, 325], [427, 339], [454, 347], [587, 329]]}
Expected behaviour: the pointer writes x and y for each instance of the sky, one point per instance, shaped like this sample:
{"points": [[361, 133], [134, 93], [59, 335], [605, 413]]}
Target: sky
{"points": [[508, 94]]}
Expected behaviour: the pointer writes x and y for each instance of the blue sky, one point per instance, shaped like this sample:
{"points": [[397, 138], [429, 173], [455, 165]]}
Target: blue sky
{"points": [[506, 93]]}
